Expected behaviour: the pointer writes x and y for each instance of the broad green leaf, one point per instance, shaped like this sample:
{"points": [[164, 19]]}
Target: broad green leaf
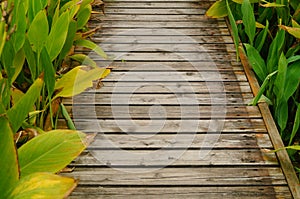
{"points": [[20, 20], [51, 151], [217, 10], [18, 63], [91, 45], [234, 30], [7, 58], [249, 20], [293, 31], [9, 171], [257, 62], [19, 111], [292, 80], [83, 16], [30, 58], [84, 60], [275, 51], [281, 115], [296, 124], [43, 185], [38, 31], [261, 38], [69, 40], [48, 71], [272, 5], [281, 77], [77, 80], [57, 36]]}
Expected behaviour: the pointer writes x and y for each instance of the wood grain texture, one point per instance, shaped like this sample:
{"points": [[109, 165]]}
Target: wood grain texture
{"points": [[171, 120]]}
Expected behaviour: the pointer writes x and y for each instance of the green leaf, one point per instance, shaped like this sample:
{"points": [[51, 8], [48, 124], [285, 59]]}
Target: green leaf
{"points": [[83, 16], [257, 62], [18, 63], [84, 60], [91, 45], [217, 10], [272, 5], [21, 24], [234, 30], [30, 57], [51, 151], [293, 58], [77, 80], [57, 36], [67, 117], [296, 124], [293, 31], [241, 1], [9, 171], [281, 115], [275, 51], [69, 40], [19, 111], [292, 80], [261, 38], [249, 20], [48, 71], [38, 31], [281, 77], [262, 88], [43, 185]]}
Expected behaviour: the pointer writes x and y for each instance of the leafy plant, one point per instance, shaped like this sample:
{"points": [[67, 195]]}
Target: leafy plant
{"points": [[269, 32], [37, 41]]}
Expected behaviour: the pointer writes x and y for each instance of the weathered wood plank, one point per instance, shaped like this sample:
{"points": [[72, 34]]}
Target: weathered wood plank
{"points": [[172, 75], [157, 141], [171, 112], [159, 99], [115, 17], [161, 11], [163, 24], [178, 177], [145, 5], [183, 87], [169, 126], [176, 39], [236, 192], [157, 31], [180, 157]]}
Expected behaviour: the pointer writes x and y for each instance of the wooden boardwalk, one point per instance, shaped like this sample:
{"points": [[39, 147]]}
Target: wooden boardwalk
{"points": [[171, 119]]}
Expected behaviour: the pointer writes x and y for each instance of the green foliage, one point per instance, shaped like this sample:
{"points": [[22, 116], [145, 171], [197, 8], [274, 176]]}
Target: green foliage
{"points": [[36, 39], [273, 51]]}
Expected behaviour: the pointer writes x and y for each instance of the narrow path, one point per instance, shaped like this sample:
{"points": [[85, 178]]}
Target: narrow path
{"points": [[172, 119]]}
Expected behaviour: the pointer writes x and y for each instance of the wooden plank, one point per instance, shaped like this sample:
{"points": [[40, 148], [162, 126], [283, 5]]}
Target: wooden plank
{"points": [[159, 99], [176, 39], [190, 18], [158, 31], [172, 75], [282, 155], [162, 24], [180, 157], [169, 126], [178, 177], [144, 5], [185, 87], [236, 192], [171, 112], [225, 141], [161, 11]]}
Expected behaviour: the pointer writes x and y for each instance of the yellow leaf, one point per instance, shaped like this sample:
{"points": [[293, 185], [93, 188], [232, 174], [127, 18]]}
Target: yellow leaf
{"points": [[293, 31]]}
